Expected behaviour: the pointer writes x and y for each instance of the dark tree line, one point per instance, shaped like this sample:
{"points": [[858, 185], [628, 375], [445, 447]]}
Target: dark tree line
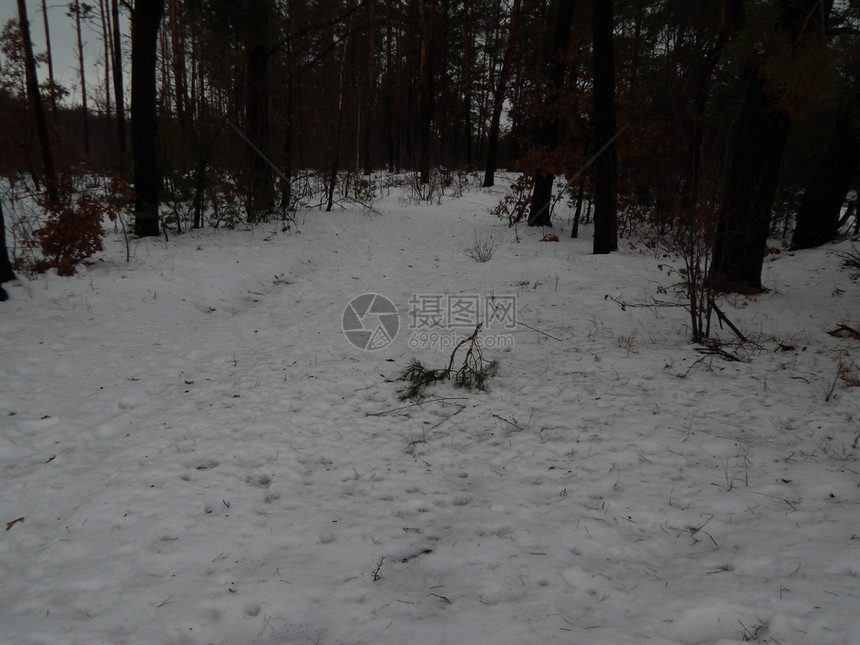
{"points": [[738, 117]]}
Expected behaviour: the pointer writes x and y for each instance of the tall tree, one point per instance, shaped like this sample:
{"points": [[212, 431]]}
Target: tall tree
{"points": [[759, 140], [104, 21], [257, 37], [468, 55], [36, 102], [605, 166], [821, 204], [550, 128], [427, 37], [53, 96], [499, 92], [79, 12], [731, 20], [6, 273], [116, 65], [145, 18], [369, 97]]}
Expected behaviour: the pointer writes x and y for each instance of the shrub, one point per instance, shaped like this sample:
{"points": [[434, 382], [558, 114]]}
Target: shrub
{"points": [[74, 229], [482, 249]]}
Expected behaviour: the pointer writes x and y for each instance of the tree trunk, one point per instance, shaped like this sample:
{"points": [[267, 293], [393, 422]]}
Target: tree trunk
{"points": [[335, 164], [467, 80], [744, 219], [574, 229], [499, 92], [287, 179], [52, 96], [145, 19], [368, 105], [391, 77], [176, 28], [605, 166], [821, 204], [199, 192], [257, 111], [36, 101], [732, 19], [426, 90], [550, 129], [6, 273], [105, 28], [76, 9], [763, 126], [119, 99]]}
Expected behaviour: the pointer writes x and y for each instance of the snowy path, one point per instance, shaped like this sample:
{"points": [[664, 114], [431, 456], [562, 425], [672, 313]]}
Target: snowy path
{"points": [[200, 456]]}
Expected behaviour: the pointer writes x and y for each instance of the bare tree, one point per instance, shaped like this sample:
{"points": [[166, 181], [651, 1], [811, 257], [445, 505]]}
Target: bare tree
{"points": [[36, 102], [79, 11], [499, 91], [550, 129], [605, 167], [52, 96], [145, 18], [119, 99]]}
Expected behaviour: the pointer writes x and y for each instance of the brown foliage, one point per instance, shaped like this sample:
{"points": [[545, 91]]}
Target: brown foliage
{"points": [[74, 226]]}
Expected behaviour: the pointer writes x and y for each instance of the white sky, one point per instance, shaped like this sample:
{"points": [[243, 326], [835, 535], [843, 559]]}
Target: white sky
{"points": [[63, 43]]}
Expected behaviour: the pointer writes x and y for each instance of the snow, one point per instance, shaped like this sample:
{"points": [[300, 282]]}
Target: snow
{"points": [[199, 454]]}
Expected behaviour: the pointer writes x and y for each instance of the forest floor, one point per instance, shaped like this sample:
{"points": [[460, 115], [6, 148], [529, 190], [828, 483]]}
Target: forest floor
{"points": [[192, 451]]}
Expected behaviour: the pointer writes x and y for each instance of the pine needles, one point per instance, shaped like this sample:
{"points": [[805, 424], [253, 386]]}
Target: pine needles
{"points": [[472, 374]]}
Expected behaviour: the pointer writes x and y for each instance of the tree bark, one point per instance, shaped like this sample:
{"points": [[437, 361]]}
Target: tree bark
{"points": [[731, 20], [369, 103], [763, 126], [145, 19], [605, 166], [76, 9], [744, 219], [821, 204], [52, 97], [550, 129], [467, 80], [105, 29], [426, 88], [391, 77], [257, 98], [36, 101], [119, 99], [6, 273], [499, 92]]}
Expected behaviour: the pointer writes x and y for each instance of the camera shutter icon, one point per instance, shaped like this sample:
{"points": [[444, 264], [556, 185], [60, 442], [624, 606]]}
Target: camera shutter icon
{"points": [[370, 321]]}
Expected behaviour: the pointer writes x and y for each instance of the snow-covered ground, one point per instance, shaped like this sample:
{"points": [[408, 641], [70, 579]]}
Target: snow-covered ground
{"points": [[192, 452]]}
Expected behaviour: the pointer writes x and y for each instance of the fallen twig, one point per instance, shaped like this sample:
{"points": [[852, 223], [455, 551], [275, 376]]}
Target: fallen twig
{"points": [[508, 421], [723, 318], [375, 574], [844, 331], [718, 351], [412, 405], [9, 525]]}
